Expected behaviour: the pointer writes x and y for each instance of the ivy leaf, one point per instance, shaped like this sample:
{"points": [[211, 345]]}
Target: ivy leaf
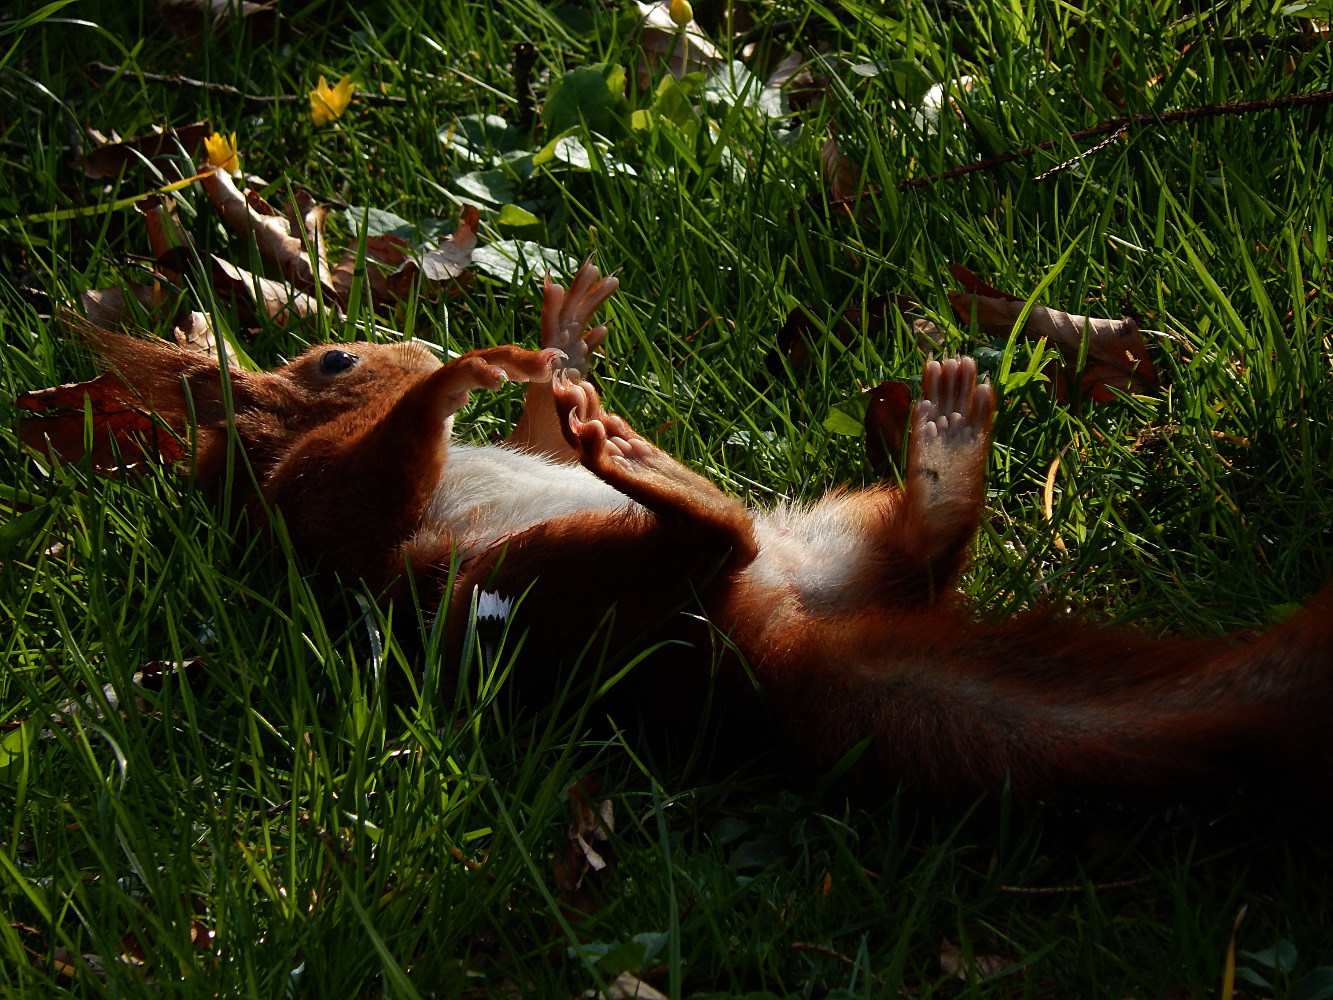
{"points": [[590, 95], [849, 416], [512, 260]]}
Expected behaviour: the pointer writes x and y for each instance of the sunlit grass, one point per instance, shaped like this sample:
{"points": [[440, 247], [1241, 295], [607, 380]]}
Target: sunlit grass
{"points": [[305, 809]]}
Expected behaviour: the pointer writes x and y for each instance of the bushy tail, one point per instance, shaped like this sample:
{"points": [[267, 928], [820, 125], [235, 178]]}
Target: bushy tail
{"points": [[1051, 705]]}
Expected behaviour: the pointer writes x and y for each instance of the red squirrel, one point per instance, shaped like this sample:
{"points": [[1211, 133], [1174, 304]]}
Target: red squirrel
{"points": [[842, 617]]}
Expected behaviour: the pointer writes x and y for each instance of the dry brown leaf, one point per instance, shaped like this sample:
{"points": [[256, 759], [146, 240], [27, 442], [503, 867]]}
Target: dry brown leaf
{"points": [[305, 218], [248, 214], [454, 254], [108, 307], [165, 232], [929, 339], [1116, 355], [589, 858], [787, 69], [123, 435], [841, 175], [972, 283], [686, 51], [156, 147], [194, 332], [274, 299], [188, 18], [390, 272], [954, 963]]}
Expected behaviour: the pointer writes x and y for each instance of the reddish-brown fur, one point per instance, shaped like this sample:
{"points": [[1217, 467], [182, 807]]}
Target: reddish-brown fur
{"points": [[1042, 702]]}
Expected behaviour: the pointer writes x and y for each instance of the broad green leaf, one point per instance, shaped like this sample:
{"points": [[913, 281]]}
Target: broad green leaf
{"points": [[590, 95], [849, 416], [512, 260]]}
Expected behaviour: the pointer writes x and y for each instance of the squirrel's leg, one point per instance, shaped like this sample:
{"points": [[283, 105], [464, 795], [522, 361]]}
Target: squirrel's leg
{"points": [[946, 462], [913, 541], [608, 447], [380, 468], [565, 327]]}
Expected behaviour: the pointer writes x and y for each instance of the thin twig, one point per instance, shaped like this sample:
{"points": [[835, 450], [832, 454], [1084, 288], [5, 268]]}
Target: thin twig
{"points": [[1114, 125], [822, 949], [1087, 152], [227, 90]]}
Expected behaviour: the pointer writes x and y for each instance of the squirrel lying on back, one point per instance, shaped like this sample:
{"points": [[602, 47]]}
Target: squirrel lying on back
{"points": [[840, 617]]}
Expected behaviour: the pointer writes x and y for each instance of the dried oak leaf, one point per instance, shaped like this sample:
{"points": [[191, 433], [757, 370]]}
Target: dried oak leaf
{"points": [[626, 987], [887, 418], [110, 308], [390, 274], [454, 254], [188, 18], [155, 147], [305, 219], [954, 963], [589, 858], [276, 300], [842, 176], [165, 232], [246, 213], [122, 434], [1116, 355]]}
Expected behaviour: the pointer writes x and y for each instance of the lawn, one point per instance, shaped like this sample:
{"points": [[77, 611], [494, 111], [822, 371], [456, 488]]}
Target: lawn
{"points": [[219, 779]]}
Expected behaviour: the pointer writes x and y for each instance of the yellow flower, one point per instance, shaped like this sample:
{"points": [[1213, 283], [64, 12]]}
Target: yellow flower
{"points": [[681, 12], [221, 151], [328, 103]]}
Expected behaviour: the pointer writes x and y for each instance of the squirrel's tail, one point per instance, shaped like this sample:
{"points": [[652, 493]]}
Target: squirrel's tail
{"points": [[1047, 704]]}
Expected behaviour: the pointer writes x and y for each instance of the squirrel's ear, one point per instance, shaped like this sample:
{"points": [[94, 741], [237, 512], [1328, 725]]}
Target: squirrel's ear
{"points": [[150, 384]]}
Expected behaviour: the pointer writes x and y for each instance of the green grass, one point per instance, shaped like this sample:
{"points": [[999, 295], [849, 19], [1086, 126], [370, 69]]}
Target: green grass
{"points": [[330, 823]]}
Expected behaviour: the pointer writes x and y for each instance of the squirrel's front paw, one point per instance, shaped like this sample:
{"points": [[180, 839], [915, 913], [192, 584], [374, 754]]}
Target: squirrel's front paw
{"points": [[567, 313], [595, 434]]}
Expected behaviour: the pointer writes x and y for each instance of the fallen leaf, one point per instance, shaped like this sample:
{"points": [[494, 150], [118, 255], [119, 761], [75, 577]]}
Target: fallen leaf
{"points": [[887, 419], [971, 283], [278, 301], [954, 963], [454, 254], [928, 336], [305, 219], [108, 307], [188, 18], [160, 148], [626, 986], [194, 332], [122, 434], [684, 49], [589, 858], [390, 272], [1116, 355], [165, 232], [841, 175], [247, 213]]}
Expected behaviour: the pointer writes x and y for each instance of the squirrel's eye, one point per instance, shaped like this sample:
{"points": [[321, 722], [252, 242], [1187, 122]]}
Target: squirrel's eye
{"points": [[333, 362]]}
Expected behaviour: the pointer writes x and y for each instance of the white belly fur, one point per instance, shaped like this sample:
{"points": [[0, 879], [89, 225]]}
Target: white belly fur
{"points": [[811, 554], [487, 492]]}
